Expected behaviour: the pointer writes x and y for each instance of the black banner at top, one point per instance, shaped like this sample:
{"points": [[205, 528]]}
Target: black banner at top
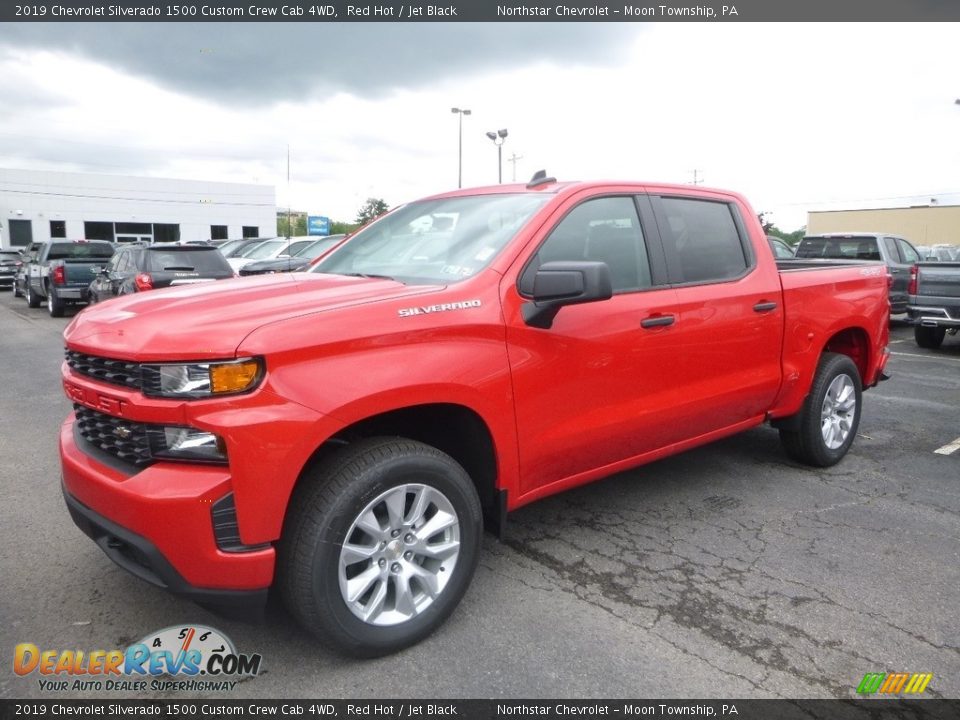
{"points": [[326, 11]]}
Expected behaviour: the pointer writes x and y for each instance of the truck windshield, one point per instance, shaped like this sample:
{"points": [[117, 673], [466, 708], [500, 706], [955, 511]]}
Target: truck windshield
{"points": [[435, 241], [848, 247]]}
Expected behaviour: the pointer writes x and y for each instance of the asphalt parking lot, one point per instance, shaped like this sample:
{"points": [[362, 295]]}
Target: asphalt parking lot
{"points": [[729, 571]]}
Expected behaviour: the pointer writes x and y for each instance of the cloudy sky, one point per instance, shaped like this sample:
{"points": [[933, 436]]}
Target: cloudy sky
{"points": [[796, 116]]}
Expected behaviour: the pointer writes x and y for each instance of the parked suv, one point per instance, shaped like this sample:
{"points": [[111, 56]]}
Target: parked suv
{"points": [[896, 252], [135, 268]]}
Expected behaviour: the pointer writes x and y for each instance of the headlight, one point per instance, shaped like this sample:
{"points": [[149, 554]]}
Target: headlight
{"points": [[201, 380], [173, 442]]}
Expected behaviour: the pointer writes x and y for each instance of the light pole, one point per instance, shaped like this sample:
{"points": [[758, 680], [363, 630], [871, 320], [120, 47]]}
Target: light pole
{"points": [[460, 112], [498, 137]]}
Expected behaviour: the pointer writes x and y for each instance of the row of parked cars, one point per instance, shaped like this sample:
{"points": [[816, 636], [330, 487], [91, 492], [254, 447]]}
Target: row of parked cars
{"points": [[63, 272]]}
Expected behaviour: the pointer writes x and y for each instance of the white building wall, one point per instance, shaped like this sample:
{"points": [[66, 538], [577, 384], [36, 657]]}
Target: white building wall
{"points": [[41, 196]]}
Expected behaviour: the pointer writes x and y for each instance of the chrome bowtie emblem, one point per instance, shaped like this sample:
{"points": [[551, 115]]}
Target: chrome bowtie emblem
{"points": [[122, 432]]}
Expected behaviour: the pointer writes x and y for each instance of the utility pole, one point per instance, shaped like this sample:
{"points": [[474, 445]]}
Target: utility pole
{"points": [[696, 181], [288, 190], [513, 161], [460, 112]]}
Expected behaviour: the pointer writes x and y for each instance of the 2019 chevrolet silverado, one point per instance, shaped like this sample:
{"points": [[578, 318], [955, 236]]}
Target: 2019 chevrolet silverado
{"points": [[342, 435]]}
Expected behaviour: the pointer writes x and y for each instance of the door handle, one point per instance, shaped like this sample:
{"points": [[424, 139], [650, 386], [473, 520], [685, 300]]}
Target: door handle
{"points": [[764, 307], [894, 271], [657, 321]]}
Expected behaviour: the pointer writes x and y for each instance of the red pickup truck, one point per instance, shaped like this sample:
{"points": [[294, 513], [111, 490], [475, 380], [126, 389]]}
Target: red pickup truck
{"points": [[343, 435]]}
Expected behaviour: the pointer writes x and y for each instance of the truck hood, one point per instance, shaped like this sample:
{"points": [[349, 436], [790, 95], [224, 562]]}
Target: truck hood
{"points": [[208, 321]]}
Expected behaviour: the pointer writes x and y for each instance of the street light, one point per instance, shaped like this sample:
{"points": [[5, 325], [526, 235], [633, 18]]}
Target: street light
{"points": [[498, 137], [461, 113]]}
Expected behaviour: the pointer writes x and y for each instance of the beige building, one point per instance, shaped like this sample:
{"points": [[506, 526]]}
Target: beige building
{"points": [[922, 225]]}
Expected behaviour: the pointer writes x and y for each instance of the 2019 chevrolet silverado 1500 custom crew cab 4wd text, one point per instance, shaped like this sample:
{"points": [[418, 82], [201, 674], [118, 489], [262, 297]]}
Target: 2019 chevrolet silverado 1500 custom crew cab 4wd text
{"points": [[342, 435]]}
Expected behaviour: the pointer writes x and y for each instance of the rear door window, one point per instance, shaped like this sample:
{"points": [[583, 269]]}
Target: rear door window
{"points": [[702, 240]]}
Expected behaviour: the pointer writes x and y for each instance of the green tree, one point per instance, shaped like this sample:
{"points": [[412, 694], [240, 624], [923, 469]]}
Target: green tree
{"points": [[338, 227], [371, 209]]}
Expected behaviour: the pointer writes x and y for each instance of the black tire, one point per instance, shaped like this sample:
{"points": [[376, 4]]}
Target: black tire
{"points": [[808, 444], [329, 502], [929, 337], [32, 300], [16, 289], [55, 305]]}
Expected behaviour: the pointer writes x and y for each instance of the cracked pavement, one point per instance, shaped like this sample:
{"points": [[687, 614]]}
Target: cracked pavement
{"points": [[725, 572]]}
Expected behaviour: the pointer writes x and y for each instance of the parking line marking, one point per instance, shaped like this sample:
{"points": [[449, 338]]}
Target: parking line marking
{"points": [[926, 357], [949, 448]]}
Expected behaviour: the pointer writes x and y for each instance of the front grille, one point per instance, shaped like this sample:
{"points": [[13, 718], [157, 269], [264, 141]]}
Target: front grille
{"points": [[116, 372], [121, 438]]}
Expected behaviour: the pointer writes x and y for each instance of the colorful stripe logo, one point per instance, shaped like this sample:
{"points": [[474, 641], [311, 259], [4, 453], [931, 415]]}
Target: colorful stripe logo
{"points": [[893, 683]]}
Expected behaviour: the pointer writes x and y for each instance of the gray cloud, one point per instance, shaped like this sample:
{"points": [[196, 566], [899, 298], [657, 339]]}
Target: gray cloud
{"points": [[259, 64]]}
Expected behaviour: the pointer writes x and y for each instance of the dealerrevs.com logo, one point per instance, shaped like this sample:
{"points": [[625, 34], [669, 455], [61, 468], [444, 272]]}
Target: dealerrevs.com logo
{"points": [[181, 658]]}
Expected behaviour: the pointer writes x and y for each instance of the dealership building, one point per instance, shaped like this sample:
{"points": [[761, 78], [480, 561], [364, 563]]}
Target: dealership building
{"points": [[37, 205], [922, 225]]}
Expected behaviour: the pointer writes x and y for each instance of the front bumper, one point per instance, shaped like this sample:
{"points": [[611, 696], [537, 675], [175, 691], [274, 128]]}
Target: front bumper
{"points": [[140, 557], [158, 524]]}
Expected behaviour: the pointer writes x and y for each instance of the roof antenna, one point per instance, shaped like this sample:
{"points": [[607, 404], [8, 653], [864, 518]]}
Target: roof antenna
{"points": [[540, 178]]}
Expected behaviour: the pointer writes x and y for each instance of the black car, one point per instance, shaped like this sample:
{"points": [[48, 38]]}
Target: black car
{"points": [[135, 268], [9, 262], [299, 260]]}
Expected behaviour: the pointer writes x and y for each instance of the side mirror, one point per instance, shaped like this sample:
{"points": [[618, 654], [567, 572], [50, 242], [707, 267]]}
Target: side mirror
{"points": [[560, 283]]}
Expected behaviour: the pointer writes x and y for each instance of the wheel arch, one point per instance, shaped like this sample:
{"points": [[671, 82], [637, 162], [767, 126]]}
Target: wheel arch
{"points": [[455, 429], [854, 342]]}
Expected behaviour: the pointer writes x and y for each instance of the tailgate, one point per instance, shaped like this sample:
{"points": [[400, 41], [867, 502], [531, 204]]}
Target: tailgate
{"points": [[940, 280], [82, 272]]}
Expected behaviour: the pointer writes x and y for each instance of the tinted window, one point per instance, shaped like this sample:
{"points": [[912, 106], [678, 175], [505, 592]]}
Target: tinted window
{"points": [[60, 251], [201, 259], [909, 254], [603, 230], [862, 247], [704, 238]]}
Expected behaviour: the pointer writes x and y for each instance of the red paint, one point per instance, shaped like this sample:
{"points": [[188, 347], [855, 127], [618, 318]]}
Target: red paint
{"points": [[592, 395]]}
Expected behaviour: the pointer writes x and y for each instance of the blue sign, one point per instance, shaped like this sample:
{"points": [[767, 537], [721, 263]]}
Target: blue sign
{"points": [[318, 225]]}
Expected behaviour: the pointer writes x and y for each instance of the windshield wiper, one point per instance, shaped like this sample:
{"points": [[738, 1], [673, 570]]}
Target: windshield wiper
{"points": [[179, 267], [368, 275]]}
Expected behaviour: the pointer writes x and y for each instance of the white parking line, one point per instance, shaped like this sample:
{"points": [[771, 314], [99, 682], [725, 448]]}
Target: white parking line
{"points": [[949, 448], [926, 357]]}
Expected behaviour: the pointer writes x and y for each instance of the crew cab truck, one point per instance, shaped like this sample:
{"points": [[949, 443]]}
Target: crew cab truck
{"points": [[934, 302], [342, 435], [59, 272]]}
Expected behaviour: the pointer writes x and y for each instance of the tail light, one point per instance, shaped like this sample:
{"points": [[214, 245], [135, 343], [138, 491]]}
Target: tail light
{"points": [[912, 285], [143, 281], [59, 275]]}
